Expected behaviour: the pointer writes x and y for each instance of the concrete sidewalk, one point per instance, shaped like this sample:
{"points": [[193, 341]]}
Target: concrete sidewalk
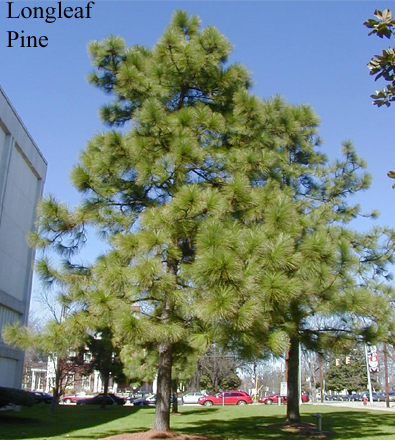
{"points": [[380, 406]]}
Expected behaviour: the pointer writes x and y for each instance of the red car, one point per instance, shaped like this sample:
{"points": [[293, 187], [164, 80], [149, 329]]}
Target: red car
{"points": [[232, 397], [72, 398], [268, 400]]}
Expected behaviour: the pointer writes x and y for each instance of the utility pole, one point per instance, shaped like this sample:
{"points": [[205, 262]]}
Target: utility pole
{"points": [[256, 382], [387, 397], [368, 373], [321, 377]]}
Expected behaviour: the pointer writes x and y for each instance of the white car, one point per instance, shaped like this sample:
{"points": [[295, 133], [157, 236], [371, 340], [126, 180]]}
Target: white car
{"points": [[192, 397]]}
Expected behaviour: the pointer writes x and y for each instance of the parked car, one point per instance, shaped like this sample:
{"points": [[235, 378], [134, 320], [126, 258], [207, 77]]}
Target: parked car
{"points": [[145, 400], [192, 397], [73, 398], [41, 397], [273, 398], [150, 400], [382, 395], [232, 397], [133, 397], [337, 397], [112, 399]]}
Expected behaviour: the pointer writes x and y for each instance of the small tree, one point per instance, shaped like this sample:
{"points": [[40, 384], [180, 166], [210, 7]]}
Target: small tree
{"points": [[59, 339], [56, 340], [231, 381], [105, 358]]}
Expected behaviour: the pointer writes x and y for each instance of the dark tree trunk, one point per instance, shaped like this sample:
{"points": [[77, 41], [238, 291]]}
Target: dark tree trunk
{"points": [[175, 398], [162, 412], [106, 380], [194, 384], [293, 415], [57, 390]]}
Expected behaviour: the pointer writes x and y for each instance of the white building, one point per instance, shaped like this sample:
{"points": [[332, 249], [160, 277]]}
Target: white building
{"points": [[22, 175]]}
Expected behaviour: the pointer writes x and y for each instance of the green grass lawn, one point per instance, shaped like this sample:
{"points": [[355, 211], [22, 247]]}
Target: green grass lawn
{"points": [[235, 422]]}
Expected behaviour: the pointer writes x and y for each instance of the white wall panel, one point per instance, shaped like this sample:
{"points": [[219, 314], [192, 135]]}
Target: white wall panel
{"points": [[17, 220], [2, 141], [8, 368], [22, 174]]}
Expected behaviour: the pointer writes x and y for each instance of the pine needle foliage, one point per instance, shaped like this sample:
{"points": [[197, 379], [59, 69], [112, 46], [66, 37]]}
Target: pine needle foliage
{"points": [[225, 221]]}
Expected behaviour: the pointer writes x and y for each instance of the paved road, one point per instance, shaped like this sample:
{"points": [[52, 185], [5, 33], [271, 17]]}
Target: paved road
{"points": [[380, 406]]}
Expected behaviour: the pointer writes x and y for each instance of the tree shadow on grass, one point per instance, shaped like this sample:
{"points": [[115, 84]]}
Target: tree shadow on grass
{"points": [[5, 419], [36, 423], [259, 425], [359, 424], [201, 412], [343, 425]]}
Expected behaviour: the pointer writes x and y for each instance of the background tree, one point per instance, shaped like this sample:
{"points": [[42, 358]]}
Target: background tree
{"points": [[287, 255], [383, 66], [185, 359], [55, 340], [231, 381], [263, 375], [59, 339], [310, 373], [105, 359], [350, 374], [216, 370], [33, 358]]}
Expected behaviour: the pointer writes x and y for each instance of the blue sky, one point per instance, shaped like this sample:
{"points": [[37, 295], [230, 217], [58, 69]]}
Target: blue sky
{"points": [[311, 52]]}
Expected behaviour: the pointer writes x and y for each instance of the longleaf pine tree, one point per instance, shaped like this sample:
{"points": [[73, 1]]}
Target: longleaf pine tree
{"points": [[225, 222], [287, 269]]}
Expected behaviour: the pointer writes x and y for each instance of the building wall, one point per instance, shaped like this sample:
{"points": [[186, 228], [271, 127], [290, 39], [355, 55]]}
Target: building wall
{"points": [[22, 175]]}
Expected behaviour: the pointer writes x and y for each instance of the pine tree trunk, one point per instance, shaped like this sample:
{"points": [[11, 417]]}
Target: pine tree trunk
{"points": [[106, 380], [175, 397], [162, 412], [293, 415], [58, 386]]}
